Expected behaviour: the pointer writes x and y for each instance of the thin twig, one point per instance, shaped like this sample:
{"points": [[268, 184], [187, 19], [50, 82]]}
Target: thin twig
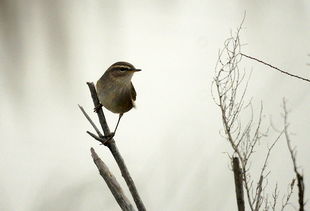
{"points": [[112, 183], [299, 177], [90, 121], [276, 68], [101, 140], [259, 188], [275, 196], [289, 194]]}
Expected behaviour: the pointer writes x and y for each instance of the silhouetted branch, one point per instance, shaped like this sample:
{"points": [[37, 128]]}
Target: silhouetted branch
{"points": [[259, 190], [112, 183], [289, 194], [275, 196], [101, 140], [276, 68], [100, 137], [299, 177], [90, 121]]}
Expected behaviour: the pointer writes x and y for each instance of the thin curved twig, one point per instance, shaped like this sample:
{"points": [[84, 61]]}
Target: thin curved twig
{"points": [[276, 68]]}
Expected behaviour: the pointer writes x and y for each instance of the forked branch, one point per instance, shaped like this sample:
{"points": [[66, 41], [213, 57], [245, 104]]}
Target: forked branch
{"points": [[110, 143]]}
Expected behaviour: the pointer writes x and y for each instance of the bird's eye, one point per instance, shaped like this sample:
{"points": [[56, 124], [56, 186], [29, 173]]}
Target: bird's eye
{"points": [[123, 69]]}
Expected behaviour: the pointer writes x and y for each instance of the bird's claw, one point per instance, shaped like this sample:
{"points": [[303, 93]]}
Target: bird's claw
{"points": [[108, 137], [111, 135], [98, 107]]}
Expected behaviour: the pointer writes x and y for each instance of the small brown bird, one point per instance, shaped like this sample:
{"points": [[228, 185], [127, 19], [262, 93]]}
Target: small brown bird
{"points": [[115, 90]]}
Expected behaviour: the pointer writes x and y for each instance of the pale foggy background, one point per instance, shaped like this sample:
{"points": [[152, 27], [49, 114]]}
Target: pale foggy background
{"points": [[171, 142]]}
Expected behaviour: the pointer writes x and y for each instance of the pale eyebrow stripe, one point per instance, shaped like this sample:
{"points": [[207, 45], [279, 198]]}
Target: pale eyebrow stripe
{"points": [[122, 66]]}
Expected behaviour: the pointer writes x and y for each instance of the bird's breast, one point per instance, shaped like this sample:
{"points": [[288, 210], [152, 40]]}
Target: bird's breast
{"points": [[115, 97]]}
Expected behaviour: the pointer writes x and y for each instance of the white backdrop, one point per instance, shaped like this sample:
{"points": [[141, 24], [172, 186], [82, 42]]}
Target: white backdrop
{"points": [[171, 142]]}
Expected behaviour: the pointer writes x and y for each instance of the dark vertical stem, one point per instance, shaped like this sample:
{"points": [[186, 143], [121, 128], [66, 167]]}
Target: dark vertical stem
{"points": [[238, 183], [301, 190]]}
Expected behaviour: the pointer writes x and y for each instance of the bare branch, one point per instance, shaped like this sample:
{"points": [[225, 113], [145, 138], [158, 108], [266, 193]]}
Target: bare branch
{"points": [[259, 198], [299, 177], [100, 139], [115, 152], [228, 84], [90, 121], [112, 183], [229, 88], [289, 194], [276, 68], [275, 196]]}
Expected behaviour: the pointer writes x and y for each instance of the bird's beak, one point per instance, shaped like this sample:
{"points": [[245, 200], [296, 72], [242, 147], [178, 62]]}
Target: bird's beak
{"points": [[136, 70]]}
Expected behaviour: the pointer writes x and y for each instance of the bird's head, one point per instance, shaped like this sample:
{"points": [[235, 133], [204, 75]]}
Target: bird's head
{"points": [[122, 71]]}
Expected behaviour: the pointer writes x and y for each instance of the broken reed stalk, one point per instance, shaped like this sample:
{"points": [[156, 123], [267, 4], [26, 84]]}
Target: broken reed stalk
{"points": [[112, 183]]}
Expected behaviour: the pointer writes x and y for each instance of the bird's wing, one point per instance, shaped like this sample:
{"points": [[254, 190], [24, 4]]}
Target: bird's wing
{"points": [[133, 93]]}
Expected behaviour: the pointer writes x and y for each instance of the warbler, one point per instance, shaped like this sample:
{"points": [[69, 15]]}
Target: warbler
{"points": [[116, 91]]}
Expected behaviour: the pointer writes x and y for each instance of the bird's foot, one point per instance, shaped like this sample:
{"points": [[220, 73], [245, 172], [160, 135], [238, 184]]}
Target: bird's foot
{"points": [[98, 107], [108, 138], [111, 135]]}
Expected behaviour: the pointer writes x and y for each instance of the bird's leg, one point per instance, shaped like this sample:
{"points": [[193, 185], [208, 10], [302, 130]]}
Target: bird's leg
{"points": [[119, 118], [111, 135], [98, 107]]}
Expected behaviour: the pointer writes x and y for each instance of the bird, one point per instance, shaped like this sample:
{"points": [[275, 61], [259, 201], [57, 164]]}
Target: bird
{"points": [[115, 90]]}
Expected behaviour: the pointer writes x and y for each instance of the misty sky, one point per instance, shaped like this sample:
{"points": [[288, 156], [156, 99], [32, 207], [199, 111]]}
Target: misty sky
{"points": [[171, 141]]}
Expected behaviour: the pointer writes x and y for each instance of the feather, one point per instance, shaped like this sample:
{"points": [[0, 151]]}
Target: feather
{"points": [[133, 93]]}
